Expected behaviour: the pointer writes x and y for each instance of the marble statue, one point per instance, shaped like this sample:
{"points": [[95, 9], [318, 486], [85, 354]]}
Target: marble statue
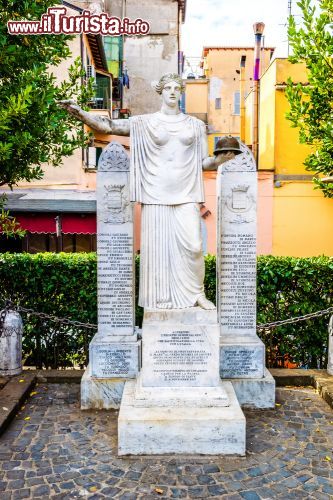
{"points": [[168, 153]]}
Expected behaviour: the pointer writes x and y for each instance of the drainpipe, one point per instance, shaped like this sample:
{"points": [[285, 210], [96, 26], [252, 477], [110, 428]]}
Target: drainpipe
{"points": [[123, 15], [58, 223], [242, 98], [258, 32]]}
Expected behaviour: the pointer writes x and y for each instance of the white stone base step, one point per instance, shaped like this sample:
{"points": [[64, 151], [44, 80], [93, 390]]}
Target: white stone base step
{"points": [[255, 393], [180, 429], [177, 396]]}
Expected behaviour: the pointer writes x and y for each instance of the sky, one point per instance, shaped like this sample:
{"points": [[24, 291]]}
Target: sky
{"points": [[229, 23]]}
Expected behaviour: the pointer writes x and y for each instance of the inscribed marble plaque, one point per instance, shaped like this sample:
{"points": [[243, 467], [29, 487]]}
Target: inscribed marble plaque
{"points": [[242, 361], [114, 360], [180, 355]]}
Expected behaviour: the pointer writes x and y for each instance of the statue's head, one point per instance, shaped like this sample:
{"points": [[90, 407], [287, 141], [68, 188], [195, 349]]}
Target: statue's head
{"points": [[170, 86], [159, 85]]}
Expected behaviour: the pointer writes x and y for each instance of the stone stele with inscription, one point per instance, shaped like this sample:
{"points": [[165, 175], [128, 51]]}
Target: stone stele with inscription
{"points": [[242, 353], [114, 351]]}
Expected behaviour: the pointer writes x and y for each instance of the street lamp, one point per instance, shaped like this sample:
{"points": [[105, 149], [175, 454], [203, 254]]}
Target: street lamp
{"points": [[258, 29]]}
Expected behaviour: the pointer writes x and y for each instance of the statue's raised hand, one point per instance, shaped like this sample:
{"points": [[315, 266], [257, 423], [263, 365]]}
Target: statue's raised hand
{"points": [[100, 123]]}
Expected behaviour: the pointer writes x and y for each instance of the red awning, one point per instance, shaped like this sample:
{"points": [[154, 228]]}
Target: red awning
{"points": [[70, 223], [82, 224]]}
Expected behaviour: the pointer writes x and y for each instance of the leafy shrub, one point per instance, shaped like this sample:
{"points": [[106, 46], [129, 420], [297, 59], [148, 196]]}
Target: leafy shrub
{"points": [[65, 285], [288, 287]]}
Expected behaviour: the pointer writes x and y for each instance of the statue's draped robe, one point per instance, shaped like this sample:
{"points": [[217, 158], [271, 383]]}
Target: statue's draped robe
{"points": [[166, 178]]}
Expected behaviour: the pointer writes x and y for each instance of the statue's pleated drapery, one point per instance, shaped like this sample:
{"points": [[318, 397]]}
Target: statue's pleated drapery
{"points": [[166, 177]]}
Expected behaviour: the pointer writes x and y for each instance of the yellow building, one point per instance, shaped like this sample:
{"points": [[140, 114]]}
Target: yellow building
{"points": [[226, 82], [294, 218], [196, 98]]}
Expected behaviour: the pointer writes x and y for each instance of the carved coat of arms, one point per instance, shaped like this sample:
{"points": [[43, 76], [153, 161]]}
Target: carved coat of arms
{"points": [[117, 208], [240, 205]]}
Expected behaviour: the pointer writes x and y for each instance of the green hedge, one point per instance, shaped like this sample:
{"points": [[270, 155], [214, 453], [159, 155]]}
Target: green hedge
{"points": [[60, 284], [65, 285]]}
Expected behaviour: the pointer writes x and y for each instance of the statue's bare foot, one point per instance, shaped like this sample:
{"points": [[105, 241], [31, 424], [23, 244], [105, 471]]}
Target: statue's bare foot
{"points": [[205, 303]]}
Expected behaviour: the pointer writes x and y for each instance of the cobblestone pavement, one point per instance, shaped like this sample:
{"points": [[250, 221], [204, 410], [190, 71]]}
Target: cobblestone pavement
{"points": [[54, 450]]}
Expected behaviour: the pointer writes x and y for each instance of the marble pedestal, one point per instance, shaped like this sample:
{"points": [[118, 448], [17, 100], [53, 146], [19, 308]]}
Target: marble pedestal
{"points": [[99, 394], [242, 362], [255, 393], [179, 404], [112, 361]]}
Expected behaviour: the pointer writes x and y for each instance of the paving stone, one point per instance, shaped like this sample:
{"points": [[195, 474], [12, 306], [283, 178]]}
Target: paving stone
{"points": [[15, 484], [110, 491], [264, 492], [237, 486], [322, 496], [15, 474], [117, 472], [33, 481], [6, 495], [10, 465], [197, 492], [178, 493], [70, 475], [205, 479], [290, 482], [303, 478], [23, 493], [255, 471], [167, 480], [249, 495], [216, 490], [328, 489], [67, 485], [128, 496], [320, 472], [187, 480], [135, 476], [211, 468], [41, 491]]}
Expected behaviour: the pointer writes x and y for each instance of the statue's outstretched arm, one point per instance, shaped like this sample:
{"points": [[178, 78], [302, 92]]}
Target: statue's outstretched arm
{"points": [[101, 124]]}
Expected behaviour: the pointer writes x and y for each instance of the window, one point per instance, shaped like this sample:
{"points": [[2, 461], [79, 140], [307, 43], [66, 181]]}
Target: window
{"points": [[78, 243], [218, 103], [41, 242], [91, 157], [237, 103]]}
